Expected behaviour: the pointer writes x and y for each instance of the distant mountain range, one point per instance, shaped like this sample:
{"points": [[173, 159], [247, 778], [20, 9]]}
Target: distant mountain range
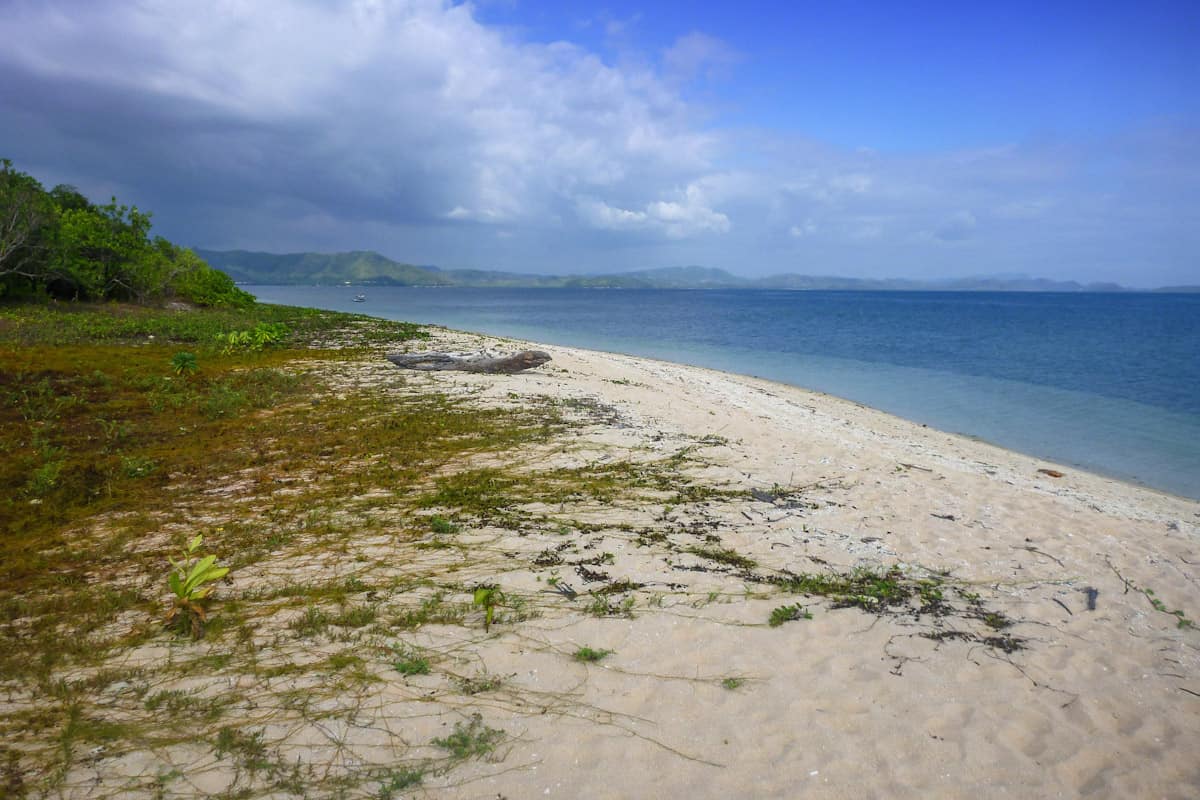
{"points": [[368, 268]]}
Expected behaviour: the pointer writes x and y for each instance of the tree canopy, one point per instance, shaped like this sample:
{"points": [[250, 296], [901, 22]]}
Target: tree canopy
{"points": [[57, 242]]}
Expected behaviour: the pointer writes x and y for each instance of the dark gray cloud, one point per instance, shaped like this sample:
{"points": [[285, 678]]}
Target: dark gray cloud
{"points": [[411, 128]]}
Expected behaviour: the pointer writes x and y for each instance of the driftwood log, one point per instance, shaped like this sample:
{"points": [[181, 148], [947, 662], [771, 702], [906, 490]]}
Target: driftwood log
{"points": [[505, 365]]}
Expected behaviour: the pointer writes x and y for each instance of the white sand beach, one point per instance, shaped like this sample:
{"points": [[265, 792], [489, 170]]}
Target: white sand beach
{"points": [[1100, 702], [1033, 661]]}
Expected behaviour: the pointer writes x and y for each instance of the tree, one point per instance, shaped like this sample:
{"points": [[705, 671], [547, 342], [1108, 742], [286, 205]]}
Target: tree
{"points": [[193, 279], [58, 242], [66, 196], [103, 252], [25, 212]]}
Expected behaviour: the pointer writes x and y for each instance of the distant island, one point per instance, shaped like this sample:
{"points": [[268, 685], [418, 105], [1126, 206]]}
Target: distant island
{"points": [[367, 268]]}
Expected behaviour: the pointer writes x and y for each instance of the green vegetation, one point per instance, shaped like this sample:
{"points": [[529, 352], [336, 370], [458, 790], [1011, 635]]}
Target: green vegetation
{"points": [[723, 555], [399, 779], [589, 656], [184, 363], [373, 268], [320, 268], [488, 597], [188, 581], [409, 661], [100, 435], [1182, 620], [895, 592], [601, 605], [115, 448], [784, 614], [330, 484], [473, 740], [441, 525], [58, 243], [868, 589], [254, 340]]}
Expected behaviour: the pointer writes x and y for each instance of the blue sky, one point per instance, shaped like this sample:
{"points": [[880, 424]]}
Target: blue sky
{"points": [[917, 75], [850, 138]]}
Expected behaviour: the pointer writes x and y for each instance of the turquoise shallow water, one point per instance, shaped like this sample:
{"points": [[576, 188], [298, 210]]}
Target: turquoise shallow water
{"points": [[1110, 383]]}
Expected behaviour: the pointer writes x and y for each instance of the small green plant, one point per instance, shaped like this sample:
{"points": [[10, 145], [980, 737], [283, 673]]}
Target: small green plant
{"points": [[354, 617], [731, 683], [399, 779], [488, 597], [409, 661], [996, 621], [601, 607], [314, 621], [190, 580], [247, 750], [253, 340], [114, 431], [724, 555], [1181, 619], [184, 363], [45, 478], [432, 611], [136, 466], [442, 525], [587, 655], [473, 739], [787, 614]]}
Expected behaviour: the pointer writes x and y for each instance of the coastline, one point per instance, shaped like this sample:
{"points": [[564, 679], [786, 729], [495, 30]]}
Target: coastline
{"points": [[701, 584], [1102, 700], [1118, 422], [875, 417]]}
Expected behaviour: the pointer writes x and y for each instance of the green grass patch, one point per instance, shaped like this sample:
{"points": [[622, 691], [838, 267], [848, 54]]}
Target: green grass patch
{"points": [[723, 555], [870, 590], [784, 614], [410, 661], [472, 740], [589, 655]]}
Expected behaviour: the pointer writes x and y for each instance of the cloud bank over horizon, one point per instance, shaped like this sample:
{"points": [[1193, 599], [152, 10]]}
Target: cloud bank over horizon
{"points": [[433, 134]]}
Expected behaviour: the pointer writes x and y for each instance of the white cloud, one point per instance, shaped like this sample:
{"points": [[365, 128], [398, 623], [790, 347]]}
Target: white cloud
{"points": [[410, 127], [413, 107], [685, 215], [601, 215], [698, 55]]}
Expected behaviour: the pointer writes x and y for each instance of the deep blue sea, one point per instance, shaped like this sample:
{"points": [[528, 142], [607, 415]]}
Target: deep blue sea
{"points": [[1107, 382]]}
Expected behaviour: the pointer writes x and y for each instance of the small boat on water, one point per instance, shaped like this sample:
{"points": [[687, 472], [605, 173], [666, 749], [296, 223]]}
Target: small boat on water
{"points": [[360, 298]]}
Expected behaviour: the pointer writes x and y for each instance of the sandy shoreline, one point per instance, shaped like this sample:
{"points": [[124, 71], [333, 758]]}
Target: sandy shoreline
{"points": [[669, 552], [1103, 702]]}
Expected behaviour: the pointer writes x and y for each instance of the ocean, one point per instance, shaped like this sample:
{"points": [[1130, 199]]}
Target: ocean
{"points": [[1106, 382]]}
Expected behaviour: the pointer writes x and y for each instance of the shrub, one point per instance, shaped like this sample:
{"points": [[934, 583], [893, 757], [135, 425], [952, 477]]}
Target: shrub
{"points": [[189, 581], [201, 284]]}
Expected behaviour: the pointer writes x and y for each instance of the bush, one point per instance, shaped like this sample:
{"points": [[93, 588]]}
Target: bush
{"points": [[201, 284]]}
